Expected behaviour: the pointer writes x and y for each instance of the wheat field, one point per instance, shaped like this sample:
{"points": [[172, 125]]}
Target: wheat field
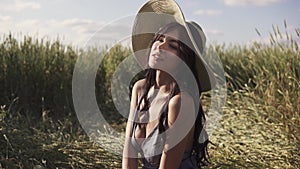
{"points": [[38, 127]]}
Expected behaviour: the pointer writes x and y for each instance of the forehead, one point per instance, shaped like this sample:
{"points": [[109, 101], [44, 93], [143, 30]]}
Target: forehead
{"points": [[172, 35]]}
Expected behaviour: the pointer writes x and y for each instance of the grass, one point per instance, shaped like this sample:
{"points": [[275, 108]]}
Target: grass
{"points": [[247, 139], [259, 129], [244, 139]]}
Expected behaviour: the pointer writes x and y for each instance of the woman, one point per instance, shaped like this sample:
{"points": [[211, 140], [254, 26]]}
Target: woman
{"points": [[157, 101], [165, 125]]}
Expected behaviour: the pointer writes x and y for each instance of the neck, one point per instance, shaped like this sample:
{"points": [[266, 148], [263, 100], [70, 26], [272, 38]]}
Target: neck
{"points": [[163, 80]]}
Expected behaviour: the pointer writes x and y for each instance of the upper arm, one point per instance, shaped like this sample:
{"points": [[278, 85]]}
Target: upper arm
{"points": [[181, 118], [129, 153], [135, 94]]}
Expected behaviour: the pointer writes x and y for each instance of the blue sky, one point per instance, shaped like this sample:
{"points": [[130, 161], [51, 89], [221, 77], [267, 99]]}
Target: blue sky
{"points": [[75, 21]]}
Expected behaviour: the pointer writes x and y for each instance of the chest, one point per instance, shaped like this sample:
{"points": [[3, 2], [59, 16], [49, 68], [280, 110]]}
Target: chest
{"points": [[148, 118]]}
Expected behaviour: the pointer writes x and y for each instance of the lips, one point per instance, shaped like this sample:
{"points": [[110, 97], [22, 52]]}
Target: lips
{"points": [[157, 56]]}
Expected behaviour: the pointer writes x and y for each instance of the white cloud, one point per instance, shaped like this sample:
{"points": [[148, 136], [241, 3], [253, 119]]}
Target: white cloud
{"points": [[251, 2], [267, 40], [214, 32], [262, 40], [208, 12], [18, 5], [74, 22], [287, 34], [81, 26], [73, 31], [5, 18]]}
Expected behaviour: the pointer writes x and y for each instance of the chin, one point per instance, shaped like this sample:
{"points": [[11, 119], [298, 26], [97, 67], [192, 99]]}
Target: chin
{"points": [[152, 66]]}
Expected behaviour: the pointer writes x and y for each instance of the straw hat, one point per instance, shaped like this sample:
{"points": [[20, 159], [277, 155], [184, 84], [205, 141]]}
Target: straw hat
{"points": [[156, 13]]}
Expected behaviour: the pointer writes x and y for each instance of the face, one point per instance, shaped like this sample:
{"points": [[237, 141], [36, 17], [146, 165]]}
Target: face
{"points": [[164, 52]]}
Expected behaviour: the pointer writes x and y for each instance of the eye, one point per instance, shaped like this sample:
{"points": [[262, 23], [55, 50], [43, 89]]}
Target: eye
{"points": [[174, 45]]}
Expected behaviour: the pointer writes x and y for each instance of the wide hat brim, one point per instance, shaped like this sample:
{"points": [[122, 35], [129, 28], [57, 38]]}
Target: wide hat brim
{"points": [[155, 14]]}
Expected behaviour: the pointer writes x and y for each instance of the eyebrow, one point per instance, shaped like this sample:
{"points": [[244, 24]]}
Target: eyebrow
{"points": [[172, 39]]}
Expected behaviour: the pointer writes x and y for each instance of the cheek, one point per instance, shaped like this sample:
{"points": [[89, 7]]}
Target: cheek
{"points": [[173, 64], [151, 62]]}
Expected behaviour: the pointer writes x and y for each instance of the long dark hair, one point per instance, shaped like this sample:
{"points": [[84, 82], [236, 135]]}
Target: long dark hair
{"points": [[188, 56]]}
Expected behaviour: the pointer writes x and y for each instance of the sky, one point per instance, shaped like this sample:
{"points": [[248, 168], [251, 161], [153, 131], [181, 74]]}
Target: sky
{"points": [[75, 22]]}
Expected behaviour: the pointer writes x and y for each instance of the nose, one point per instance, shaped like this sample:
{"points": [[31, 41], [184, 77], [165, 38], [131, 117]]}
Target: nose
{"points": [[161, 45]]}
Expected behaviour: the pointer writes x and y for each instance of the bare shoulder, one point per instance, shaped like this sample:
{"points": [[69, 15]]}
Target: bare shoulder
{"points": [[181, 98], [138, 86], [135, 94], [140, 83], [181, 102]]}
